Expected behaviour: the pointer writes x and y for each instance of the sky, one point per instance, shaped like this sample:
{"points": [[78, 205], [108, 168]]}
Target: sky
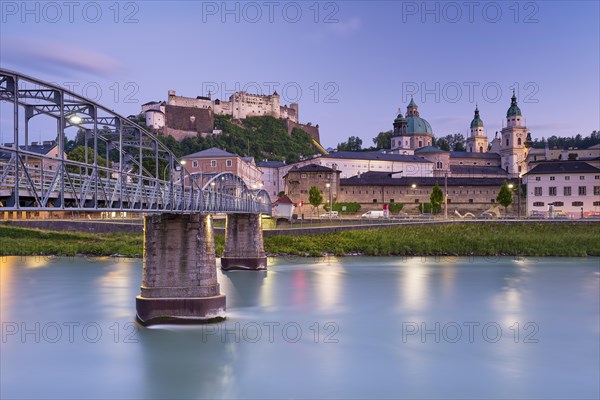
{"points": [[351, 65]]}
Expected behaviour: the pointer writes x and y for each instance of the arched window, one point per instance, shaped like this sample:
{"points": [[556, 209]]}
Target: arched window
{"points": [[420, 143], [519, 141], [481, 149], [507, 141]]}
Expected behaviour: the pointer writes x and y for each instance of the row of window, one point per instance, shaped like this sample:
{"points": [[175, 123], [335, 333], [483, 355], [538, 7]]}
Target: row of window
{"points": [[213, 163], [552, 191], [561, 204], [568, 178]]}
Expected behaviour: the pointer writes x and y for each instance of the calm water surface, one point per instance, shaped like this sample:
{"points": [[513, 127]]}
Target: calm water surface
{"points": [[309, 328]]}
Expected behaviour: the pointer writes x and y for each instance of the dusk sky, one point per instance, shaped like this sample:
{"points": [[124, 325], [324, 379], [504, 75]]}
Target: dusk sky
{"points": [[349, 65]]}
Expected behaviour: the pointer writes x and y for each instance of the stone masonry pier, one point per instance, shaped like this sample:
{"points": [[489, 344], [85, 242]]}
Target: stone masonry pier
{"points": [[244, 248], [179, 282]]}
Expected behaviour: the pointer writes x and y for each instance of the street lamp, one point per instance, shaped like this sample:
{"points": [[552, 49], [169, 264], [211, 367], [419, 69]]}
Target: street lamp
{"points": [[328, 186], [445, 195]]}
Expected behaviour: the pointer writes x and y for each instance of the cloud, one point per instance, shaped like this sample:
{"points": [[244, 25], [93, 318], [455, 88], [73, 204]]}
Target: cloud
{"points": [[346, 27], [56, 57]]}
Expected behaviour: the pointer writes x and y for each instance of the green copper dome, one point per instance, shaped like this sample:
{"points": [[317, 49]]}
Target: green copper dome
{"points": [[399, 118], [514, 110], [477, 122], [418, 125]]}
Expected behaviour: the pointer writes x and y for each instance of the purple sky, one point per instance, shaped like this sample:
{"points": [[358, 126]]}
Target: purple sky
{"points": [[350, 65]]}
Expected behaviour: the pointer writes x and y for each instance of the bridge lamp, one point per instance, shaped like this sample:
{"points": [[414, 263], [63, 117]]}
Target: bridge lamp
{"points": [[75, 119], [510, 186]]}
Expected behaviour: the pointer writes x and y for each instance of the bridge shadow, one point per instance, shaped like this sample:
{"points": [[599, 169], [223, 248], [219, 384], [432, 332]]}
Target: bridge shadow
{"points": [[186, 362], [243, 288]]}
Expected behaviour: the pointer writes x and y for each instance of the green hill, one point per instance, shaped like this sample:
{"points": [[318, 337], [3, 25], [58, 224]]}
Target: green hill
{"points": [[259, 137]]}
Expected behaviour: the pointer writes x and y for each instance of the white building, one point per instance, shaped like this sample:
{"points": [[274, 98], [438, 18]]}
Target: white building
{"points": [[571, 187]]}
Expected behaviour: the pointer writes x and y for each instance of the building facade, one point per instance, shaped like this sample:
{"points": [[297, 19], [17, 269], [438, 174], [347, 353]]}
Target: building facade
{"points": [[569, 187], [215, 161]]}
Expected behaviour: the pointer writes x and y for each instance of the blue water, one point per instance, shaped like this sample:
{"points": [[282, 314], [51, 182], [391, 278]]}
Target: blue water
{"points": [[309, 328]]}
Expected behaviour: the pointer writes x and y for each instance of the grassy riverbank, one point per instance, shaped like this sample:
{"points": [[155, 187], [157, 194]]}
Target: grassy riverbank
{"points": [[574, 240]]}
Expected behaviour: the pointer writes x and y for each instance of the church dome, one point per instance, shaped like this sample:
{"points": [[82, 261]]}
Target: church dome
{"points": [[415, 125], [418, 125], [477, 122], [514, 110]]}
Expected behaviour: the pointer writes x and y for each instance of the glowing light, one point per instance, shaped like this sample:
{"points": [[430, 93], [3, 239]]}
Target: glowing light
{"points": [[75, 119]]}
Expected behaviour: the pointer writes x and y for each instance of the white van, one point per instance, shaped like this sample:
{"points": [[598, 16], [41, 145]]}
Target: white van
{"points": [[373, 214]]}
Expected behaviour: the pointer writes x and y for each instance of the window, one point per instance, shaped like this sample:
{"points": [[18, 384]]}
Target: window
{"points": [[577, 203], [538, 204], [552, 178], [596, 190], [552, 191], [597, 177], [567, 191], [416, 200], [229, 163], [195, 164], [449, 201], [558, 204], [597, 204], [582, 190], [374, 200], [391, 200], [493, 201], [537, 191], [519, 141], [507, 141], [567, 178], [303, 176], [537, 178], [471, 201], [213, 163], [582, 178]]}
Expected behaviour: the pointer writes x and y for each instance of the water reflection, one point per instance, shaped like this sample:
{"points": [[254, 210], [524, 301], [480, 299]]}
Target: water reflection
{"points": [[368, 300]]}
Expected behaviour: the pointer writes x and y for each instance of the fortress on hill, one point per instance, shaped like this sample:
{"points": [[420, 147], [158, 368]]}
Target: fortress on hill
{"points": [[183, 117]]}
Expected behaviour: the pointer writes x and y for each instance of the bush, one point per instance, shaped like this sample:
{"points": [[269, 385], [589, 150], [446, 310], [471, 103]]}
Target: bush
{"points": [[395, 207], [425, 208], [351, 207]]}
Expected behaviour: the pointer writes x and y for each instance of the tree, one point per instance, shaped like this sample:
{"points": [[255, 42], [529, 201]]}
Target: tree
{"points": [[442, 143], [436, 198], [78, 154], [383, 140], [354, 143], [315, 198], [505, 197], [455, 142]]}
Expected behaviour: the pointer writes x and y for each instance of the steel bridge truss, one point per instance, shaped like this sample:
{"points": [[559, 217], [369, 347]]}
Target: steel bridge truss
{"points": [[146, 178]]}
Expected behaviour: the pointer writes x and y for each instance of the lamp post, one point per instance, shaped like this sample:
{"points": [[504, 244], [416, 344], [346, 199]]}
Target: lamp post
{"points": [[414, 186], [328, 186], [445, 195], [510, 186], [519, 197]]}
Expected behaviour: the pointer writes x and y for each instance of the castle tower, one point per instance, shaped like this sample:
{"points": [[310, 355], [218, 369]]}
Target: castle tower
{"points": [[512, 146], [477, 142]]}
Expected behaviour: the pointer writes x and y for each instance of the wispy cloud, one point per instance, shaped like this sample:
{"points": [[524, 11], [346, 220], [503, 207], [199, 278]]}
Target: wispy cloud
{"points": [[56, 57]]}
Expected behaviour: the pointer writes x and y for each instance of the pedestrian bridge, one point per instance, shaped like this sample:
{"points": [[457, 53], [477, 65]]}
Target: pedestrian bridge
{"points": [[102, 161], [121, 166]]}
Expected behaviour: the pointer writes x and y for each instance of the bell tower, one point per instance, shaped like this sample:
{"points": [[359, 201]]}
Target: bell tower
{"points": [[477, 142], [512, 146]]}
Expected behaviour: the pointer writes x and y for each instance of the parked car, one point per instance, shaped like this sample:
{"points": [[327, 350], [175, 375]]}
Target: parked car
{"points": [[330, 214], [403, 215], [372, 214]]}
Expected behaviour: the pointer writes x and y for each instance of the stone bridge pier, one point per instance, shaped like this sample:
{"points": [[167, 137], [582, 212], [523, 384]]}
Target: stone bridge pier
{"points": [[179, 282], [244, 248]]}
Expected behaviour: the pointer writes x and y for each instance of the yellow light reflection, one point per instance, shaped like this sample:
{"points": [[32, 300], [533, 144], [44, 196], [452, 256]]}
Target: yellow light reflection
{"points": [[329, 282], [413, 285]]}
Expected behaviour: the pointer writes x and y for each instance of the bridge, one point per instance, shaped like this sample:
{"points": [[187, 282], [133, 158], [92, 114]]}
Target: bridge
{"points": [[124, 168]]}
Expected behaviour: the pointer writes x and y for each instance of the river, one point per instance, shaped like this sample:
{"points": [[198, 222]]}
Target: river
{"points": [[356, 327]]}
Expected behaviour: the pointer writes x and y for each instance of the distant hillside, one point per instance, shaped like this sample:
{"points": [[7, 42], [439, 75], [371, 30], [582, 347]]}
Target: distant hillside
{"points": [[259, 137]]}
